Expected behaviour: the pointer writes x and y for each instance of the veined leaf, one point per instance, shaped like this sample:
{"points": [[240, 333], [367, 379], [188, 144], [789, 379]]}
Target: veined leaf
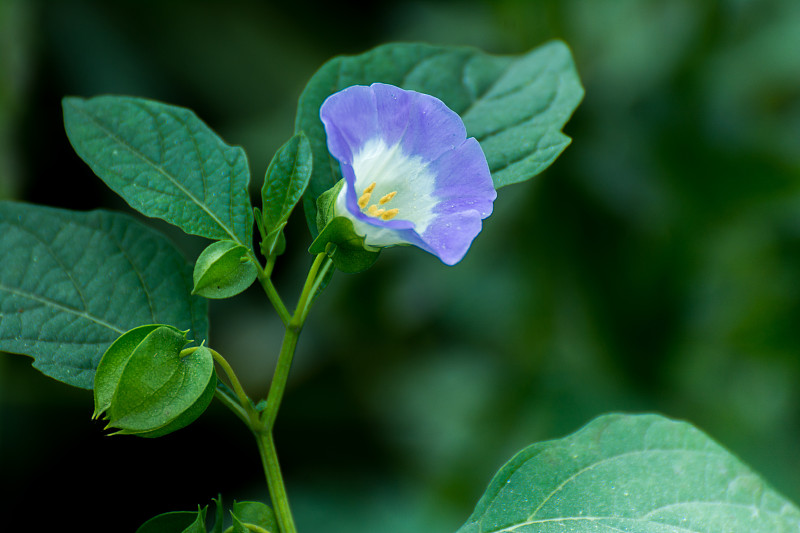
{"points": [[515, 106], [165, 162], [284, 185], [638, 474], [71, 283]]}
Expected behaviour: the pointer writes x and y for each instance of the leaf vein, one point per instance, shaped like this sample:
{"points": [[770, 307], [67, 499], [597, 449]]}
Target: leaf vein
{"points": [[172, 179]]}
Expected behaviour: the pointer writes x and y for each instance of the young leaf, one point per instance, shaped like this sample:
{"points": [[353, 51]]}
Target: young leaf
{"points": [[515, 106], [286, 180], [630, 473], [71, 283], [165, 162]]}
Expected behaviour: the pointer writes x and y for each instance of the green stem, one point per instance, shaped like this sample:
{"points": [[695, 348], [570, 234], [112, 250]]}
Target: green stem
{"points": [[277, 490], [244, 401], [272, 293], [279, 379], [231, 404], [261, 425]]}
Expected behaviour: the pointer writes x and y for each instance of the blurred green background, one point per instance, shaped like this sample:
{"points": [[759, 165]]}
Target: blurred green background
{"points": [[654, 267]]}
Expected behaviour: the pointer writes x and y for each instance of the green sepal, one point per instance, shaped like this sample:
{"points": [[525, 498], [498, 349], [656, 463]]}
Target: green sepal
{"points": [[338, 238], [223, 270], [112, 364], [256, 514], [284, 184], [199, 524], [187, 417], [148, 385], [176, 522], [218, 514]]}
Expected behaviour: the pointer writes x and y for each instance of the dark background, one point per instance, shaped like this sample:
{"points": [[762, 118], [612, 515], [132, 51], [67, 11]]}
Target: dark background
{"points": [[654, 267]]}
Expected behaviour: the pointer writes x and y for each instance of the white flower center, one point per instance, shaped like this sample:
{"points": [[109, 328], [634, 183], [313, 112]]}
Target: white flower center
{"points": [[390, 184]]}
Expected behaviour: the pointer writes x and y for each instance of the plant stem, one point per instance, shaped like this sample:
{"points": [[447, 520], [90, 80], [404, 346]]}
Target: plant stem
{"points": [[289, 344], [277, 490], [272, 293], [245, 405], [279, 379], [261, 424], [231, 404]]}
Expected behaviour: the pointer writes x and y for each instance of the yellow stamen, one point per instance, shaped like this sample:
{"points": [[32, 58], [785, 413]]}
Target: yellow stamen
{"points": [[387, 198], [390, 214], [364, 199], [373, 211]]}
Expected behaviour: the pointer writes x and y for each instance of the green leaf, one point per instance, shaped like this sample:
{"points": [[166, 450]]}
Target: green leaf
{"points": [[253, 516], [286, 180], [159, 383], [71, 283], [165, 162], [224, 269], [642, 474], [515, 106], [175, 522]]}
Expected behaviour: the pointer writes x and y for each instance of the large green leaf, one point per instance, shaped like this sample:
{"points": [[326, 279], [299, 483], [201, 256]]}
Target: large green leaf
{"points": [[71, 283], [515, 106], [165, 162], [642, 474]]}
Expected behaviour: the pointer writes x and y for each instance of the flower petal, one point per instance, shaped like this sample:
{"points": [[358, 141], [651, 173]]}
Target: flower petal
{"points": [[414, 149]]}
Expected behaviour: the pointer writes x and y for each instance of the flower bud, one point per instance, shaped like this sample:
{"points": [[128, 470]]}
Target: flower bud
{"points": [[147, 385], [224, 269]]}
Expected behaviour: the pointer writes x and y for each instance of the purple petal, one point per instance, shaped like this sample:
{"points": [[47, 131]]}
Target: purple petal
{"points": [[461, 187], [423, 124], [350, 121], [463, 180], [450, 236]]}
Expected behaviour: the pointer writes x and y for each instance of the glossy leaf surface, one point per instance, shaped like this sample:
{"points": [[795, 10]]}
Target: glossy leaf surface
{"points": [[638, 474], [71, 283]]}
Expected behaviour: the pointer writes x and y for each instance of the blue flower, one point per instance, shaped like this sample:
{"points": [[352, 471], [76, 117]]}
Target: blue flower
{"points": [[412, 176]]}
